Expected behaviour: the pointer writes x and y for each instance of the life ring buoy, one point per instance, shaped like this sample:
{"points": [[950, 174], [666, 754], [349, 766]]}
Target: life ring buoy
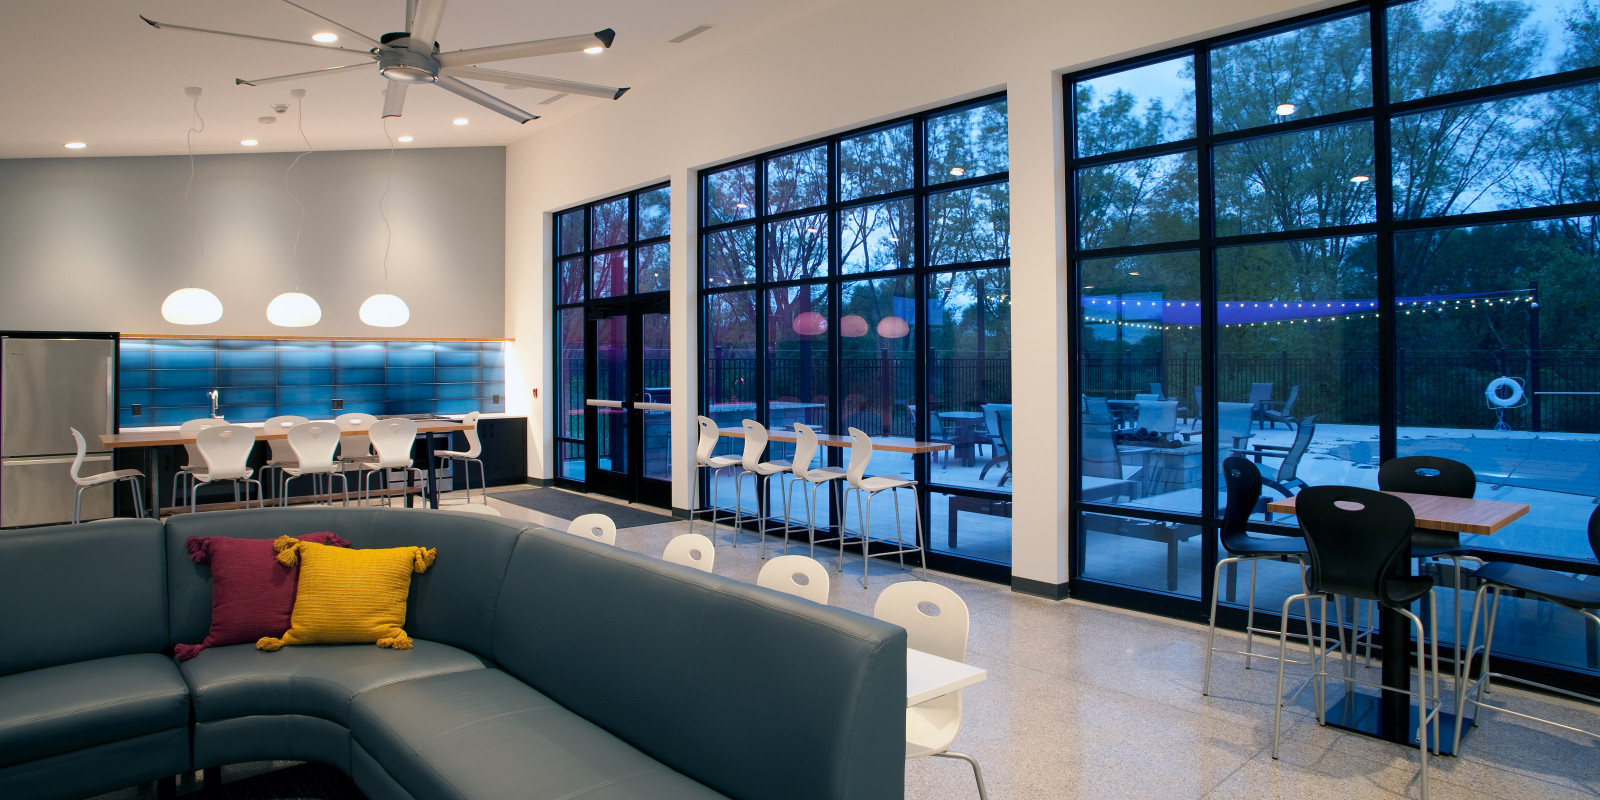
{"points": [[1492, 394]]}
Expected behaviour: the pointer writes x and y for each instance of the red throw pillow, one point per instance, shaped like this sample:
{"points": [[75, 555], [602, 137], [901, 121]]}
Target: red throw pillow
{"points": [[252, 594]]}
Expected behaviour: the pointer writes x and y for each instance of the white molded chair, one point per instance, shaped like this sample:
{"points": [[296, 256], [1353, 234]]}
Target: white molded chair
{"points": [[393, 440], [195, 462], [931, 726], [805, 449], [282, 455], [704, 460], [473, 508], [470, 456], [311, 449], [755, 443], [691, 550], [352, 448], [132, 476], [595, 527], [225, 452], [865, 488], [798, 575]]}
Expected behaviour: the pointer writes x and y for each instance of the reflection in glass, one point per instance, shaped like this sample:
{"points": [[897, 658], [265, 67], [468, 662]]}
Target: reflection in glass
{"points": [[731, 256], [967, 225], [1296, 180], [730, 355], [569, 233], [1138, 107], [656, 428], [797, 180], [573, 465], [609, 223], [1159, 556], [611, 383], [655, 208], [967, 143], [1442, 46], [610, 271], [876, 163], [731, 194], [655, 268], [570, 386], [569, 283], [797, 248], [1319, 69], [877, 237], [969, 377], [1520, 152], [1142, 201], [799, 356], [970, 527], [877, 355]]}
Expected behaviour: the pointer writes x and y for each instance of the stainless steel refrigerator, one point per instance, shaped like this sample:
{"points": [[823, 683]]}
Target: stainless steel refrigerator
{"points": [[46, 387]]}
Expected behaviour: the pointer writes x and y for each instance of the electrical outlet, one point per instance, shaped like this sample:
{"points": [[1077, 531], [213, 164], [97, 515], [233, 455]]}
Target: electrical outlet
{"points": [[138, 409], [497, 399], [338, 404]]}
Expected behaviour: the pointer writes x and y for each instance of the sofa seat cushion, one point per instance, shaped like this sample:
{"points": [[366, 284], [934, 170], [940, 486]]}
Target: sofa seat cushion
{"points": [[318, 681], [486, 735], [55, 710]]}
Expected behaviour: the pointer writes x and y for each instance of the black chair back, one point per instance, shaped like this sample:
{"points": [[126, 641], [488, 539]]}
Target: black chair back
{"points": [[1433, 475], [1354, 550], [1594, 532], [1290, 469], [1243, 480]]}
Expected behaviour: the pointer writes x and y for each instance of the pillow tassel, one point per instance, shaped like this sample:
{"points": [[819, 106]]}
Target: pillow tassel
{"points": [[268, 644], [199, 549], [288, 553], [184, 652], [423, 558], [398, 642]]}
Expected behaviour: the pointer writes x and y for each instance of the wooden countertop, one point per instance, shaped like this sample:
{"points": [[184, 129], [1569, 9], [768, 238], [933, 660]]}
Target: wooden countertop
{"points": [[160, 438], [886, 444], [1435, 513]]}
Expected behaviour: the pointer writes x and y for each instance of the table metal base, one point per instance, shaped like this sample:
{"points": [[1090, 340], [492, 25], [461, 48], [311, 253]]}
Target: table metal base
{"points": [[1360, 713]]}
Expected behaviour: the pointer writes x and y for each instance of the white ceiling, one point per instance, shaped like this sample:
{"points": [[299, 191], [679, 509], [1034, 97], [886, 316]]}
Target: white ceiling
{"points": [[92, 71]]}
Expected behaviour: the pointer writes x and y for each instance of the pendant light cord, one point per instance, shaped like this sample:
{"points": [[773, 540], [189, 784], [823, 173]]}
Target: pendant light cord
{"points": [[194, 219], [388, 181], [300, 123]]}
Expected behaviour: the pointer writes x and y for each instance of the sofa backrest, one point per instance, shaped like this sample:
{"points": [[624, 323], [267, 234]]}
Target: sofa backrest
{"points": [[78, 592], [756, 694], [453, 602]]}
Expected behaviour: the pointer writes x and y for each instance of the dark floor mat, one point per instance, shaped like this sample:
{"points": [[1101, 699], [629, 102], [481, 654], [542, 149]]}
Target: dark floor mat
{"points": [[570, 506]]}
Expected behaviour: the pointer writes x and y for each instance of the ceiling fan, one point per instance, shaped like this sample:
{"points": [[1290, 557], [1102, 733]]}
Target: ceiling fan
{"points": [[412, 56]]}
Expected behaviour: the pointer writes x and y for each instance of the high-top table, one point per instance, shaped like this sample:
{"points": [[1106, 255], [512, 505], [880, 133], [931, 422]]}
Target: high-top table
{"points": [[149, 440], [1390, 716]]}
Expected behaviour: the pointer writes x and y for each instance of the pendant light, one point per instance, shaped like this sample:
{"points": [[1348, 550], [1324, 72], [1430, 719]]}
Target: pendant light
{"points": [[386, 310], [296, 309], [192, 305]]}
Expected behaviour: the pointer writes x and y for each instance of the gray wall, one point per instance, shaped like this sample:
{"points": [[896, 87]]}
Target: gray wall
{"points": [[98, 243]]}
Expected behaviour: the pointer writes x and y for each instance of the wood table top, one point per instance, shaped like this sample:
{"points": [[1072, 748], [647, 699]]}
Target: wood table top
{"points": [[1435, 513], [174, 437], [888, 445]]}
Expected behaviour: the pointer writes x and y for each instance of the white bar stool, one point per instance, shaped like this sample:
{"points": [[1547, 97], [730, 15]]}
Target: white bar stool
{"points": [[470, 456], [865, 488], [225, 450], [704, 460], [805, 449], [352, 448], [755, 443], [132, 476], [282, 455], [312, 445], [195, 463], [393, 440]]}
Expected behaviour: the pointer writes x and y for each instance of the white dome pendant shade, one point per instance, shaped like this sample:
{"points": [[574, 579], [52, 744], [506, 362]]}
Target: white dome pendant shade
{"points": [[293, 310], [191, 306], [385, 311]]}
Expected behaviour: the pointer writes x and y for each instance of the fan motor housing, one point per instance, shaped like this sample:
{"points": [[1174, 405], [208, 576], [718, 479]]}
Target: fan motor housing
{"points": [[399, 63]]}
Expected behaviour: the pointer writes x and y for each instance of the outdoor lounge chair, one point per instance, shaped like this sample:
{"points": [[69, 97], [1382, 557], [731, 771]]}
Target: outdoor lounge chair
{"points": [[1260, 395], [1275, 412], [1283, 478]]}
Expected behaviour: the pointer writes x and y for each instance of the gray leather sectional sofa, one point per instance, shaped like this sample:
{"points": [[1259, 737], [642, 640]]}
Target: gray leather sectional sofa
{"points": [[544, 666]]}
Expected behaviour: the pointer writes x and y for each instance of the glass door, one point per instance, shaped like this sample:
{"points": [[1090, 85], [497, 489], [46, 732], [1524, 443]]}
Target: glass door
{"points": [[628, 414]]}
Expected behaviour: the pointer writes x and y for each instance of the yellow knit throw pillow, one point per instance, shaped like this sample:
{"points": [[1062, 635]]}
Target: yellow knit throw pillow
{"points": [[348, 596]]}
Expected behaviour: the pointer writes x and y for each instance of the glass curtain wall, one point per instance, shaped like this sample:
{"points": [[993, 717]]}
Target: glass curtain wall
{"points": [[863, 281], [1316, 245], [608, 254]]}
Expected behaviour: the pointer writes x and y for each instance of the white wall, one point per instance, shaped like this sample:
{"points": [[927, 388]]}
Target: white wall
{"points": [[98, 243], [846, 66]]}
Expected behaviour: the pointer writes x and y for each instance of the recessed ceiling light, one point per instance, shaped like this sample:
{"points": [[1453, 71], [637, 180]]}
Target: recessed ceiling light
{"points": [[1284, 109], [957, 171], [594, 50], [461, 121], [75, 145], [1359, 179], [249, 143], [325, 38], [404, 139]]}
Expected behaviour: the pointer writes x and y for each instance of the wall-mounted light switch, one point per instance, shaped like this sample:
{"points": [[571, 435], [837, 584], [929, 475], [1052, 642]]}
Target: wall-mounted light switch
{"points": [[138, 409], [338, 404]]}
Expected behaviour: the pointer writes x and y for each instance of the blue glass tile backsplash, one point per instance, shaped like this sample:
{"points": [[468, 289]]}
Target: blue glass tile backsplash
{"points": [[261, 378]]}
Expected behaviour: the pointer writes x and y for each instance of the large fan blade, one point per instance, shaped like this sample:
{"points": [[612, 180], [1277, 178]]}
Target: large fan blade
{"points": [[539, 47], [425, 22], [314, 45], [296, 76], [394, 99], [484, 99], [358, 35], [534, 82]]}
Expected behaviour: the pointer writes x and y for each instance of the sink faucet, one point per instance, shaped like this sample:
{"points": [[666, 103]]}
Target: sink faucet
{"points": [[213, 395]]}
